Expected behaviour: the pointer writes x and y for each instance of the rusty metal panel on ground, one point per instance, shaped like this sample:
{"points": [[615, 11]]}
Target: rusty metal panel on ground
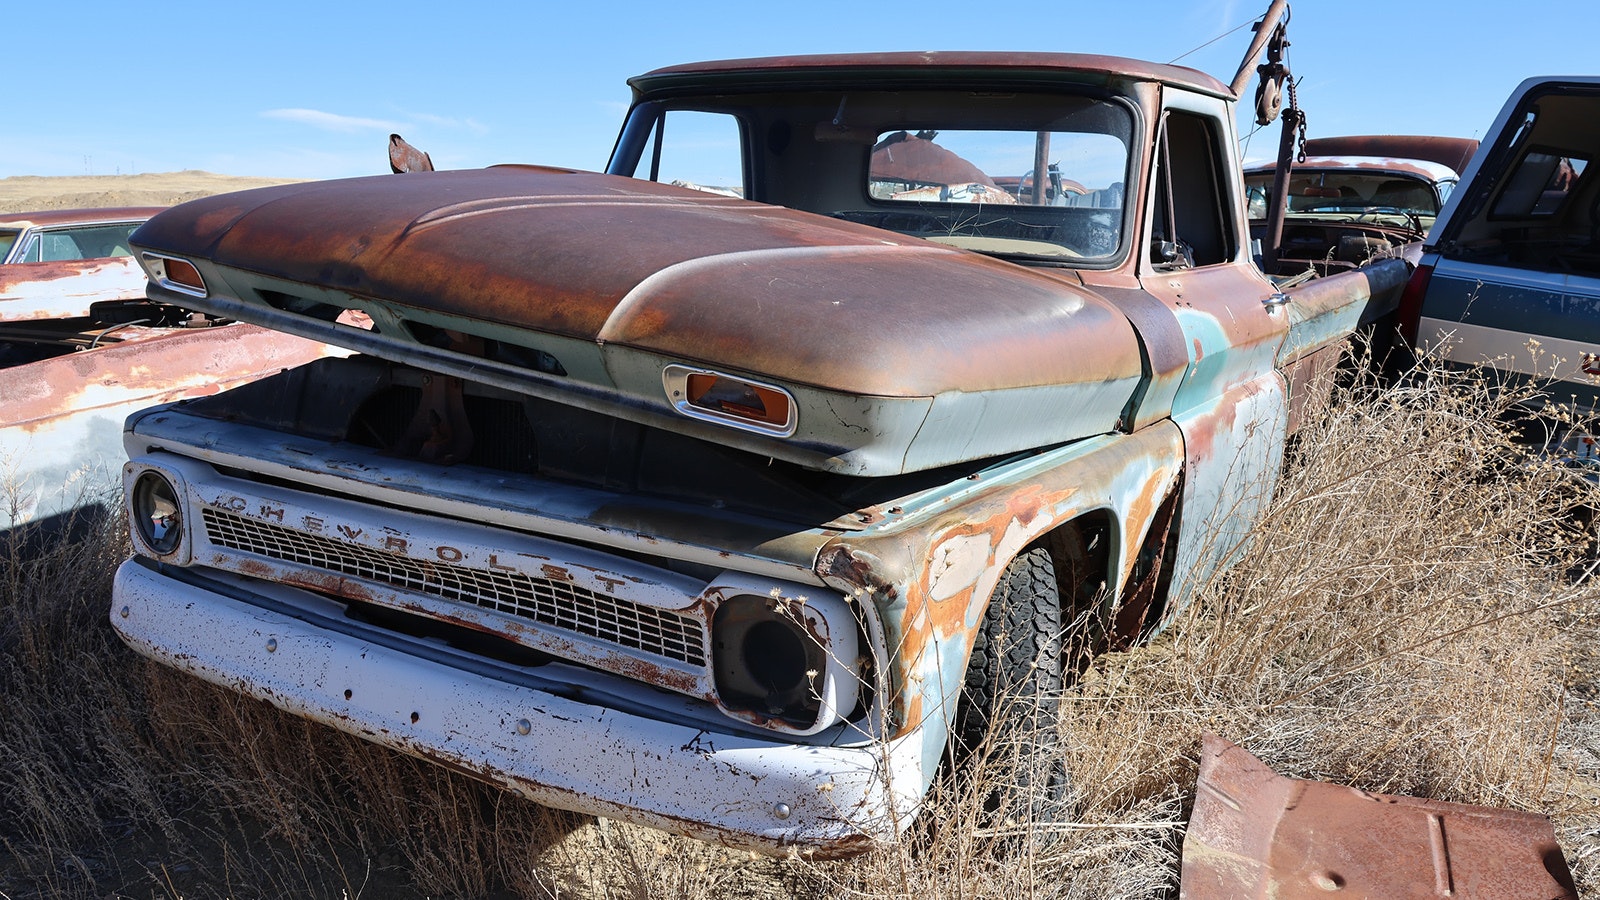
{"points": [[1255, 833]]}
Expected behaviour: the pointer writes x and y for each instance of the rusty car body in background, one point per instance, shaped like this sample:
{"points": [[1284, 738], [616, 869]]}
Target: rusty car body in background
{"points": [[1355, 197], [55, 265], [724, 514], [81, 348]]}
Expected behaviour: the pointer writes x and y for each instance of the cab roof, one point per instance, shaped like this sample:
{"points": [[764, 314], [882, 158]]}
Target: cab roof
{"points": [[927, 65]]}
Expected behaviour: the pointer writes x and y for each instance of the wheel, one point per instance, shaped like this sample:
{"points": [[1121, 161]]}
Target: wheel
{"points": [[1006, 719], [1016, 659]]}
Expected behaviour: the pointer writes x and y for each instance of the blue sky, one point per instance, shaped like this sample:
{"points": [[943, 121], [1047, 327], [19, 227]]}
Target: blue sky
{"points": [[311, 90]]}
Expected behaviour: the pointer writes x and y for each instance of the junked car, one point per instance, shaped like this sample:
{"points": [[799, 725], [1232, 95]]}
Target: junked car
{"points": [[54, 264], [81, 347], [1355, 197], [732, 511], [69, 235]]}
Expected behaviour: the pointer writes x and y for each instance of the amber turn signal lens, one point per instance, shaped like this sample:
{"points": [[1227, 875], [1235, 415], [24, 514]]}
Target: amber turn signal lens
{"points": [[739, 399], [730, 400], [175, 274], [181, 271]]}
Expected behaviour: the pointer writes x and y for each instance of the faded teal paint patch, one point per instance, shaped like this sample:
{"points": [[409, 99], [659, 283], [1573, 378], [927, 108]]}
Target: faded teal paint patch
{"points": [[1216, 364]]}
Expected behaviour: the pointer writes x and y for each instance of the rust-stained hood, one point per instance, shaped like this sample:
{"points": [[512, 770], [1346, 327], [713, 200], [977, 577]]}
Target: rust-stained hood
{"points": [[609, 279]]}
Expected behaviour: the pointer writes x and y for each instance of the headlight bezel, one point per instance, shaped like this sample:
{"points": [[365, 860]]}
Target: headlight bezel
{"points": [[810, 645], [155, 503]]}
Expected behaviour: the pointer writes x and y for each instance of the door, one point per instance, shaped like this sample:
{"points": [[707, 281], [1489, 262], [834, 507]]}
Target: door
{"points": [[1232, 407]]}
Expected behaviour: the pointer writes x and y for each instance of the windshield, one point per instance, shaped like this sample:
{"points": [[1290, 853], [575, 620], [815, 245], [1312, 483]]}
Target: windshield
{"points": [[1346, 191], [1011, 174], [941, 180], [8, 239]]}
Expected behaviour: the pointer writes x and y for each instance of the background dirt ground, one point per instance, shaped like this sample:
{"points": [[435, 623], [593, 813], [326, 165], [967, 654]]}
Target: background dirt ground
{"points": [[30, 193]]}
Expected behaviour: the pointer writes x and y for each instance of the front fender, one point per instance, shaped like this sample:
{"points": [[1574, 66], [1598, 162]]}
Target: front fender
{"points": [[930, 569]]}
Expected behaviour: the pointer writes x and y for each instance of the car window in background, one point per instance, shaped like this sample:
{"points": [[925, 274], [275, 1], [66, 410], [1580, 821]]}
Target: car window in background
{"points": [[1353, 191], [8, 239], [94, 242]]}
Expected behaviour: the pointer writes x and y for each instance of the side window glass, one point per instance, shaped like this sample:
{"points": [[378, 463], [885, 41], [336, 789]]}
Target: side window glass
{"points": [[1256, 198], [95, 242], [700, 150], [1539, 185], [103, 241], [1192, 224], [58, 245]]}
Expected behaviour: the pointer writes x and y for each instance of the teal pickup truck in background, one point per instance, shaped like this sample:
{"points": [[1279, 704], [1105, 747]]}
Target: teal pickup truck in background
{"points": [[1510, 274]]}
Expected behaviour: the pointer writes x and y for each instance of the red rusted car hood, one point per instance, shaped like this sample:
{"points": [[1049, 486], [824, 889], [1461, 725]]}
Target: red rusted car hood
{"points": [[678, 272]]}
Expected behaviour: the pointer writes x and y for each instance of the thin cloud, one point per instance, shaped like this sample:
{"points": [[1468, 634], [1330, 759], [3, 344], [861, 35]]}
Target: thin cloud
{"points": [[448, 122], [1230, 11], [328, 121]]}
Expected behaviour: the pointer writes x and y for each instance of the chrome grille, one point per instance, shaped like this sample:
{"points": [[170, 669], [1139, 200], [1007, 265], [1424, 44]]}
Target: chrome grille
{"points": [[558, 604]]}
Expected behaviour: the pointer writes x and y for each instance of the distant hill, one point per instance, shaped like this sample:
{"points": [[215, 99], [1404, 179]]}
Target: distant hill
{"points": [[28, 193]]}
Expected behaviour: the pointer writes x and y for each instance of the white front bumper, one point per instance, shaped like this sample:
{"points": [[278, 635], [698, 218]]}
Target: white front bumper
{"points": [[295, 651]]}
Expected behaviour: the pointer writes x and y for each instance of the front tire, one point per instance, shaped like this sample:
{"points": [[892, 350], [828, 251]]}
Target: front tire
{"points": [[1006, 731]]}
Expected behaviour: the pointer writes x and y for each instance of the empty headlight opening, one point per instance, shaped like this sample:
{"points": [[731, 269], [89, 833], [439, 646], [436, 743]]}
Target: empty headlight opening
{"points": [[768, 663]]}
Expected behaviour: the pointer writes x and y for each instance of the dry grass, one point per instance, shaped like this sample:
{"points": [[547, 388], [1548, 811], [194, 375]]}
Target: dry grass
{"points": [[1407, 620], [1411, 618]]}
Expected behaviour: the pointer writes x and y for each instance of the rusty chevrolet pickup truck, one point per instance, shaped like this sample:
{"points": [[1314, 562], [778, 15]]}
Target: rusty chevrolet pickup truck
{"points": [[728, 505]]}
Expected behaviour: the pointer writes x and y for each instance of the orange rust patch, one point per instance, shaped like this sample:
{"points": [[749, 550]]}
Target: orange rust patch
{"points": [[162, 366], [650, 673], [254, 569], [1141, 512]]}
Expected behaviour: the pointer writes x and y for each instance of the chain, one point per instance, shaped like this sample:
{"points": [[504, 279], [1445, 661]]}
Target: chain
{"points": [[1300, 119]]}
